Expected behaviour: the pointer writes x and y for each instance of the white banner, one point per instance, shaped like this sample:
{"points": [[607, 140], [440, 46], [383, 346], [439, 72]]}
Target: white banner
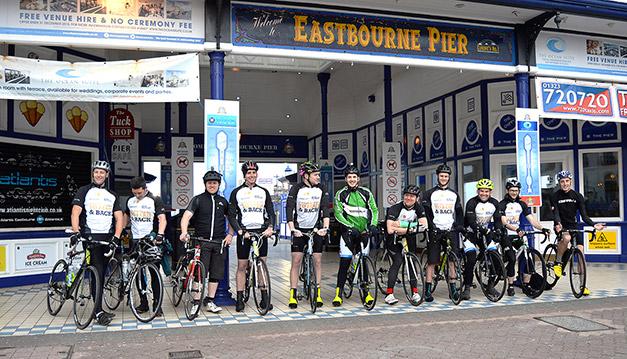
{"points": [[182, 171], [392, 192], [145, 24], [162, 79]]}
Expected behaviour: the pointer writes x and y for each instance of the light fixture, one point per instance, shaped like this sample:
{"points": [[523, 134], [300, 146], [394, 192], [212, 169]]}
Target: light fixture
{"points": [[331, 68], [515, 13], [237, 97], [299, 72], [295, 99], [288, 115], [235, 69], [352, 63], [407, 67], [459, 6], [280, 130]]}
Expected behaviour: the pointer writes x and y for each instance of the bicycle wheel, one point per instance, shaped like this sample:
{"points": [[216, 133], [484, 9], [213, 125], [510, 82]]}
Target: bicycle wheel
{"points": [[194, 289], [248, 283], [454, 282], [304, 275], [86, 294], [178, 282], [383, 262], [113, 289], [577, 265], [57, 287], [532, 272], [550, 257], [348, 285], [313, 285], [146, 292], [490, 273], [367, 283], [413, 279], [261, 286]]}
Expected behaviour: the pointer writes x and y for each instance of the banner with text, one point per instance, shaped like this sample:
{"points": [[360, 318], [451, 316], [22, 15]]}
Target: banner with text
{"points": [[528, 155], [182, 171], [222, 142], [117, 24], [392, 192], [161, 79]]}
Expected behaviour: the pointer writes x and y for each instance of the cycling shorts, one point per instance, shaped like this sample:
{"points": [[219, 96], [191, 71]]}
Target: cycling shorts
{"points": [[299, 243], [576, 236], [212, 259], [346, 252], [435, 245], [243, 247]]}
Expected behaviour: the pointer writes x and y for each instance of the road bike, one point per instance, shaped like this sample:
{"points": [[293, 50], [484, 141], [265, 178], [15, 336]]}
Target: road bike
{"points": [[361, 274], [81, 285], [573, 258], [532, 272], [490, 270], [307, 273], [136, 276], [257, 275], [449, 268]]}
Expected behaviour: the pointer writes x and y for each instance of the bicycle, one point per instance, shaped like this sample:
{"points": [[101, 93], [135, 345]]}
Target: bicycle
{"points": [[363, 266], [136, 281], [83, 286], [257, 276], [490, 271], [307, 273], [448, 259], [575, 259], [531, 266], [412, 275]]}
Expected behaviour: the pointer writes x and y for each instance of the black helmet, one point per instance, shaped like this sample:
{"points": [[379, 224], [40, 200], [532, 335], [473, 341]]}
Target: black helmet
{"points": [[212, 175], [351, 169], [103, 165], [443, 169], [309, 167], [412, 189], [512, 183], [249, 165]]}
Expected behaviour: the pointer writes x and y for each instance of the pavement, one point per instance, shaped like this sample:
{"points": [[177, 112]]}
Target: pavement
{"points": [[433, 330]]}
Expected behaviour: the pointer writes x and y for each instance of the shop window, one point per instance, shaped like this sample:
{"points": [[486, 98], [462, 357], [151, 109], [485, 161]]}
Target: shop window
{"points": [[472, 172], [548, 186], [601, 188]]}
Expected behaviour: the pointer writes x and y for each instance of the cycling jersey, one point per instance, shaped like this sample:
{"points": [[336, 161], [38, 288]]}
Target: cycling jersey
{"points": [[399, 212], [565, 206], [304, 205], [443, 208], [209, 212], [144, 214], [512, 209], [356, 208], [98, 204], [251, 208], [480, 214]]}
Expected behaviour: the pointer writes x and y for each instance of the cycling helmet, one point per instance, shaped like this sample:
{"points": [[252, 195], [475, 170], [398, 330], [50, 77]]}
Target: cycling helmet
{"points": [[249, 165], [309, 167], [351, 169], [443, 169], [485, 183], [212, 175], [512, 183], [152, 254], [563, 174], [411, 189], [103, 165]]}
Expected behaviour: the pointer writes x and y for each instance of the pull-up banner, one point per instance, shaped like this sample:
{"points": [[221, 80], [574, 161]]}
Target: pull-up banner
{"points": [[352, 33], [162, 79]]}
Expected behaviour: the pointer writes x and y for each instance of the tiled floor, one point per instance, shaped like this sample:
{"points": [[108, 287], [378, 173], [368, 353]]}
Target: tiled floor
{"points": [[23, 309]]}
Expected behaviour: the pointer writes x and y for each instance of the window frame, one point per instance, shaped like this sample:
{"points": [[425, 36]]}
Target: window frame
{"points": [[619, 171]]}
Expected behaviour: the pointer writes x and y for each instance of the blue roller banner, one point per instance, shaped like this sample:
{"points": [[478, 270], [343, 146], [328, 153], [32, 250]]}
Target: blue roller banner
{"points": [[528, 155]]}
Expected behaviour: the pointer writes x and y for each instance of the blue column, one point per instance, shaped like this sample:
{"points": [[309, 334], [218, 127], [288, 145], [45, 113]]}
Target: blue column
{"points": [[522, 90], [323, 78], [387, 94], [223, 295]]}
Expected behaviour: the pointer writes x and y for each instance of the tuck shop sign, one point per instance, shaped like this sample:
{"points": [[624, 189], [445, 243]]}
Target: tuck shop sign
{"points": [[120, 125], [35, 256]]}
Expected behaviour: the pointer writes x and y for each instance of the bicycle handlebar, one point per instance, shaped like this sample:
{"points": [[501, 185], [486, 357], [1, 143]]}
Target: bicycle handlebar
{"points": [[259, 236], [593, 232], [544, 233]]}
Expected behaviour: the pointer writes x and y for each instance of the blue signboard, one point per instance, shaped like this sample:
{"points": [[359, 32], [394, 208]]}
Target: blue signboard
{"points": [[417, 153], [554, 131], [221, 141], [504, 135], [264, 146], [437, 145], [340, 162], [599, 131], [326, 178], [472, 140], [166, 182], [528, 155]]}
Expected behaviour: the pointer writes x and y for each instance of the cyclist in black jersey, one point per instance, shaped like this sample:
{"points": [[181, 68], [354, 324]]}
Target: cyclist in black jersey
{"points": [[146, 215], [511, 207], [210, 211], [96, 214], [565, 203], [482, 216], [307, 205], [444, 211], [250, 209]]}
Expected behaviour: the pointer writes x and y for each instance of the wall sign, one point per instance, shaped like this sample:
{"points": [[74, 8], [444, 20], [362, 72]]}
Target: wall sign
{"points": [[182, 171], [392, 180], [528, 155], [120, 124], [35, 256], [607, 241]]}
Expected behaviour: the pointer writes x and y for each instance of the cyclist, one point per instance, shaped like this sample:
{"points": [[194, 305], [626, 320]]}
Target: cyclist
{"points": [[356, 210], [146, 214], [209, 210], [481, 211], [566, 203], [250, 208], [307, 203], [511, 207], [443, 209], [403, 219], [96, 214]]}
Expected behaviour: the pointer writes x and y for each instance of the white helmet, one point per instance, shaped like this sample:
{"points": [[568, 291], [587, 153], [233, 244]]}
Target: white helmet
{"points": [[103, 165]]}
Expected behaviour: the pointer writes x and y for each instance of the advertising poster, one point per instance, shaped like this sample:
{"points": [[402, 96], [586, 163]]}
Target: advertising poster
{"points": [[35, 117], [363, 155], [415, 137], [35, 256], [125, 156], [528, 155], [182, 171], [37, 185], [166, 182], [434, 138], [3, 258], [80, 121], [222, 142], [341, 152]]}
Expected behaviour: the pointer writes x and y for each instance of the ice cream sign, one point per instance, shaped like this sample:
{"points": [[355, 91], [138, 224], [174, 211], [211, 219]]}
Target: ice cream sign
{"points": [[120, 124]]}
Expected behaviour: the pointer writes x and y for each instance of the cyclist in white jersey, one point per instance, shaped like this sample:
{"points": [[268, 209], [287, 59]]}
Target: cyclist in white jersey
{"points": [[250, 209], [146, 214], [96, 214]]}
